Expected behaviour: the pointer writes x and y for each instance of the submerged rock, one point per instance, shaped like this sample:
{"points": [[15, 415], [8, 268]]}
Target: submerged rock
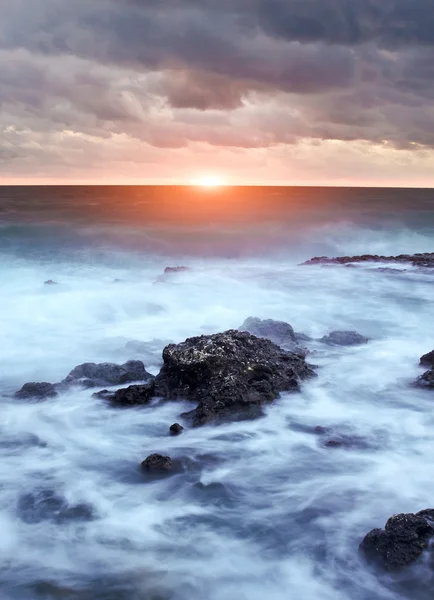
{"points": [[426, 380], [278, 332], [46, 505], [418, 260], [134, 395], [157, 463], [401, 542], [344, 338], [96, 375], [176, 429], [228, 374], [37, 391], [427, 360]]}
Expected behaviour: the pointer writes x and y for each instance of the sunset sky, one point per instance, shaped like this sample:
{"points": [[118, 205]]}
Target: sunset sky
{"points": [[337, 92]]}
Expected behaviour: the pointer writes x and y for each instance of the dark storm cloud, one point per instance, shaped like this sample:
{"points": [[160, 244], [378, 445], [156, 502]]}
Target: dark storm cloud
{"points": [[276, 71]]}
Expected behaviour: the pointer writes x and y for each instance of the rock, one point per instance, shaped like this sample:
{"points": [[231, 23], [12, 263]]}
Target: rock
{"points": [[228, 374], [157, 463], [95, 375], [38, 391], [134, 395], [278, 332], [344, 338], [176, 429], [50, 282], [404, 539], [334, 444], [302, 337], [169, 270], [46, 505], [426, 380], [427, 360], [425, 260]]}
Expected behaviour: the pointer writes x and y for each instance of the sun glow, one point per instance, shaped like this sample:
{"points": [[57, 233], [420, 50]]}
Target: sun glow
{"points": [[209, 181]]}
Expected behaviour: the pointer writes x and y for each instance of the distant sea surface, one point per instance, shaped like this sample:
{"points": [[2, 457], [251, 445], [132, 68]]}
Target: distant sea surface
{"points": [[270, 511]]}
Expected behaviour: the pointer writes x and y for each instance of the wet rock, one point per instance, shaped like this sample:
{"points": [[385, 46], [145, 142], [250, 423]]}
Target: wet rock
{"points": [[96, 375], [334, 444], [176, 429], [157, 463], [228, 374], [425, 260], [50, 282], [401, 542], [134, 395], [46, 505], [344, 338], [426, 380], [302, 337], [36, 391], [169, 270], [427, 360], [278, 332]]}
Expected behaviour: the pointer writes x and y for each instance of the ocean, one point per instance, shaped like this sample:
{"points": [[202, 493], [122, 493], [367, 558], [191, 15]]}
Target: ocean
{"points": [[268, 509]]}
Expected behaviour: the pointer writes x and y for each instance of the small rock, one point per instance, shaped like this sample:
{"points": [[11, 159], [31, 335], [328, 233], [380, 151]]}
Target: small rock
{"points": [[157, 463], [169, 270], [426, 380], [50, 282], [103, 374], [344, 338], [427, 360], [333, 444], [134, 395], [176, 429], [38, 391], [401, 542], [278, 332]]}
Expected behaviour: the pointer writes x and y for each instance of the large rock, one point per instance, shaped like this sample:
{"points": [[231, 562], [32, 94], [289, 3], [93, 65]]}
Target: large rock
{"points": [[97, 375], [426, 380], [229, 374], [36, 391], [418, 260], [344, 338], [278, 332], [401, 542], [427, 360]]}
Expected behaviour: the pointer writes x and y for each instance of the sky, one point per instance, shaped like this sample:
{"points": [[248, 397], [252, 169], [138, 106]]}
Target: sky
{"points": [[310, 92]]}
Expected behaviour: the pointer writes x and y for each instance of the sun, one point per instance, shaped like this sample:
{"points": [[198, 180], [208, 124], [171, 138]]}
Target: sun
{"points": [[209, 181]]}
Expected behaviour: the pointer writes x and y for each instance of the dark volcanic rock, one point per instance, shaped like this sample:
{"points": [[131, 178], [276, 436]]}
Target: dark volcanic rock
{"points": [[38, 391], [176, 429], [95, 375], [228, 374], [158, 463], [46, 505], [278, 332], [344, 338], [133, 395], [418, 260], [403, 540], [426, 380], [427, 360]]}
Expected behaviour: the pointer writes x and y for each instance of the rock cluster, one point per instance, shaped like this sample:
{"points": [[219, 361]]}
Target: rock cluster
{"points": [[418, 260], [427, 379]]}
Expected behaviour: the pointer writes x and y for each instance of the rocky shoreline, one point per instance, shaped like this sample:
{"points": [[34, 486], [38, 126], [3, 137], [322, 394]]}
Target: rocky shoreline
{"points": [[230, 376]]}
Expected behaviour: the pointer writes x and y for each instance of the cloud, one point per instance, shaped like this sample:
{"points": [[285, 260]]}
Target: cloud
{"points": [[247, 74]]}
